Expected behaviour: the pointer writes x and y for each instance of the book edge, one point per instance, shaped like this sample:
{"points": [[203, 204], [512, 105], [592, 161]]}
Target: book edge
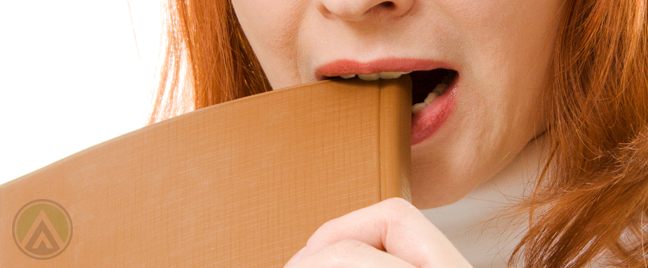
{"points": [[395, 138]]}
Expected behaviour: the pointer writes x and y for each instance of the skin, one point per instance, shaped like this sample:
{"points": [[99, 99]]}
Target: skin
{"points": [[502, 49]]}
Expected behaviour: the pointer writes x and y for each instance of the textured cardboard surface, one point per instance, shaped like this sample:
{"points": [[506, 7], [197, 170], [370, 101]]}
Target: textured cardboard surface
{"points": [[240, 184]]}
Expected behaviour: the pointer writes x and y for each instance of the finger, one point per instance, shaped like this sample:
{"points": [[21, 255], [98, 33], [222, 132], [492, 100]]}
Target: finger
{"points": [[350, 253], [393, 225]]}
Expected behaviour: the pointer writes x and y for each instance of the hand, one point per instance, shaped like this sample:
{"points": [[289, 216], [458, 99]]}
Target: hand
{"points": [[392, 233]]}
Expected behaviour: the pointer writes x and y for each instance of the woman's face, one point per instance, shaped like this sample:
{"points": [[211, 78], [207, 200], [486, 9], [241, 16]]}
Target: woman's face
{"points": [[500, 48]]}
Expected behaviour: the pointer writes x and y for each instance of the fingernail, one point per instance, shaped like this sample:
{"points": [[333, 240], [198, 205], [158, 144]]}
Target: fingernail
{"points": [[296, 257]]}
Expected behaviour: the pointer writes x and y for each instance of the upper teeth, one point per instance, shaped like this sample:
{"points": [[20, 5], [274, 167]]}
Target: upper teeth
{"points": [[376, 76], [416, 108]]}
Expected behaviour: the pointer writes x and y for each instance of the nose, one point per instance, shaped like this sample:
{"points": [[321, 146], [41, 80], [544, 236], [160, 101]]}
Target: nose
{"points": [[357, 10]]}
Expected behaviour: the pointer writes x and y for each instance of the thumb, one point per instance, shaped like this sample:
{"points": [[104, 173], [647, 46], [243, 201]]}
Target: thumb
{"points": [[393, 225]]}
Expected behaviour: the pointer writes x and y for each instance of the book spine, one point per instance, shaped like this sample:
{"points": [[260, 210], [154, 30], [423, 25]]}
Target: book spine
{"points": [[395, 145]]}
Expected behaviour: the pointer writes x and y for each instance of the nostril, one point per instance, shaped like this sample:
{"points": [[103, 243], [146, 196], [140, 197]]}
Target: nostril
{"points": [[357, 10], [388, 4]]}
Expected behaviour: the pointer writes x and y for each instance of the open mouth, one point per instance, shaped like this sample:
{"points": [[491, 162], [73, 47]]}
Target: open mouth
{"points": [[426, 85]]}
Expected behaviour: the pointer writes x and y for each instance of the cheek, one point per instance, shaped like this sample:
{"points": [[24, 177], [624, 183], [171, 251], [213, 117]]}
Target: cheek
{"points": [[271, 28], [264, 23], [508, 55]]}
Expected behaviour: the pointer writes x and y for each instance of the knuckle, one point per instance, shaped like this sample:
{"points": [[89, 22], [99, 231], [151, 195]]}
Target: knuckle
{"points": [[400, 203], [327, 233], [400, 207], [401, 213], [329, 227]]}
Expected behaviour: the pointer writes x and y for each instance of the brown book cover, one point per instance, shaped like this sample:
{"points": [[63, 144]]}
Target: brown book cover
{"points": [[240, 184]]}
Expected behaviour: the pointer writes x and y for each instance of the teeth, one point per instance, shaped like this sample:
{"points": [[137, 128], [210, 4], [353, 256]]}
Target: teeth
{"points": [[440, 88], [375, 76], [416, 108], [389, 75], [369, 77], [430, 97]]}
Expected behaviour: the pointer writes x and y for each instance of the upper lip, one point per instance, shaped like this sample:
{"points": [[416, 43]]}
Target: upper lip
{"points": [[347, 66]]}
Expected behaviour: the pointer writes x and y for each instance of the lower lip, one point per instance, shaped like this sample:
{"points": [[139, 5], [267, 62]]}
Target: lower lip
{"points": [[426, 122]]}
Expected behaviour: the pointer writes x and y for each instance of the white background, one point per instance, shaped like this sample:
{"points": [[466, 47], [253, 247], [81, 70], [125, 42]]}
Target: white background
{"points": [[71, 76]]}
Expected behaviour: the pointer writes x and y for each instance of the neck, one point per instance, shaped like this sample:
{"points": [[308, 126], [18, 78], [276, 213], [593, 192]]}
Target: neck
{"points": [[475, 224]]}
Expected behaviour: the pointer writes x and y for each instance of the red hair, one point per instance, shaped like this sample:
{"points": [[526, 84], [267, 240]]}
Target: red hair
{"points": [[205, 38], [597, 107], [595, 196]]}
